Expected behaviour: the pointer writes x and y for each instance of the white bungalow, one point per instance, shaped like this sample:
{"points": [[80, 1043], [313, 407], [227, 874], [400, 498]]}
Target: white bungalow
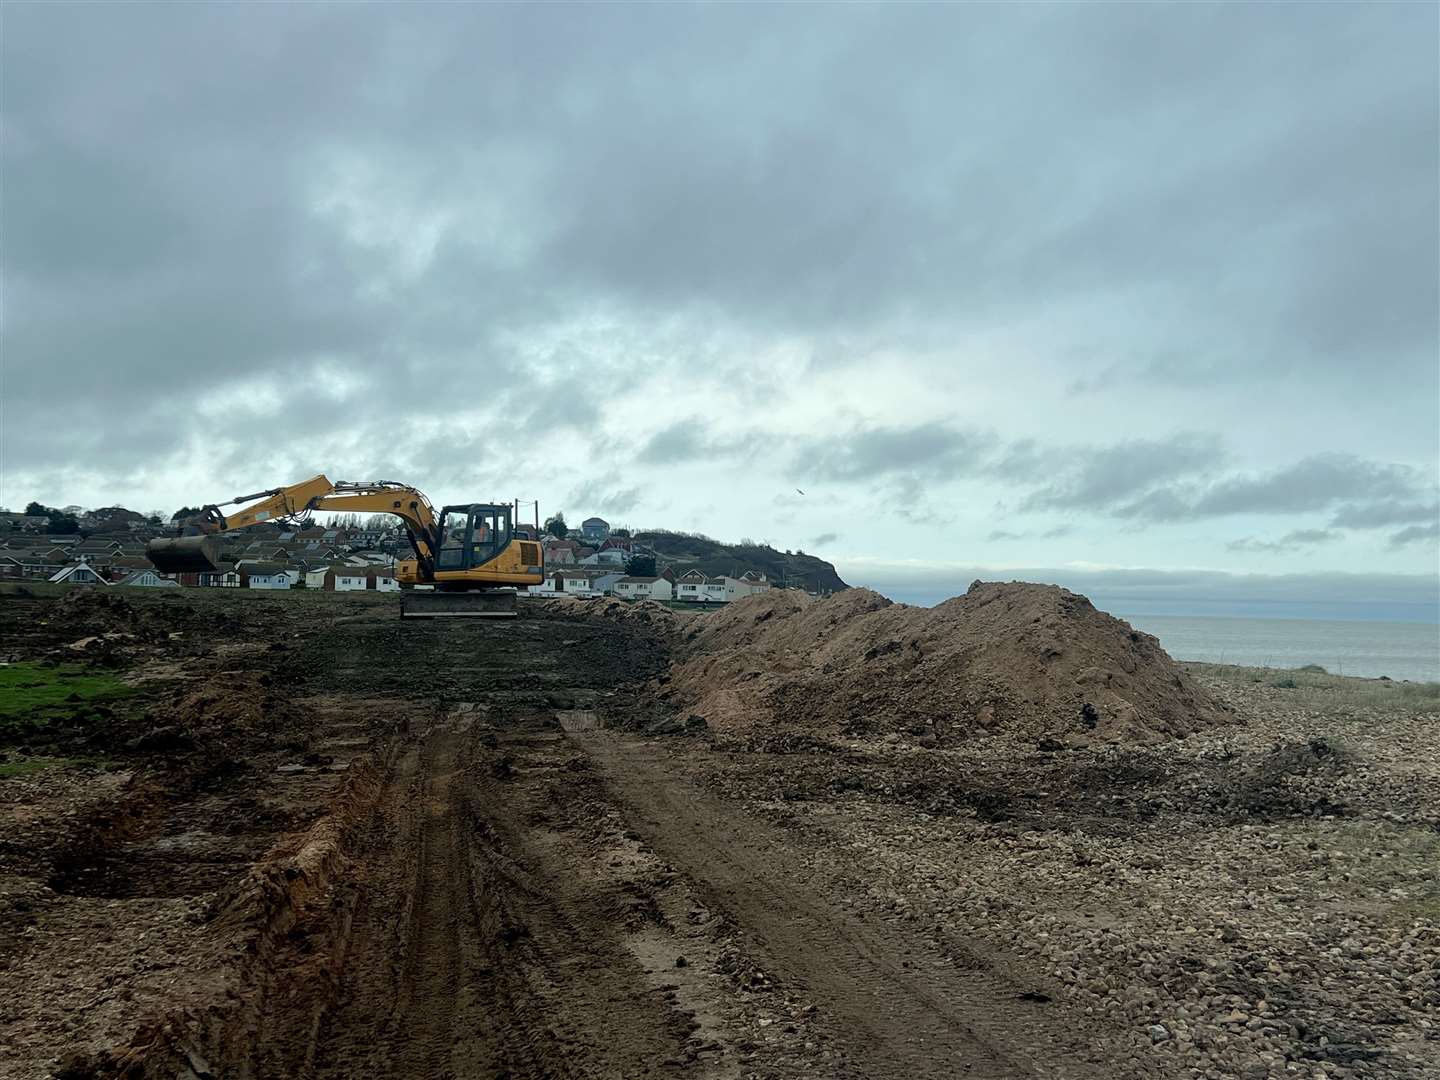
{"points": [[80, 573], [643, 588], [149, 579]]}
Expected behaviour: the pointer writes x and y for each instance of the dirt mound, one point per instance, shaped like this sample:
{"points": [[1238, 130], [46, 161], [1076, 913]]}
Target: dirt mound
{"points": [[243, 705], [1036, 660], [102, 626], [93, 611]]}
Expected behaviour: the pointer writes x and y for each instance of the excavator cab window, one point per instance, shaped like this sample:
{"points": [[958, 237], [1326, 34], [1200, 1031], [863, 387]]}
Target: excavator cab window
{"points": [[472, 535]]}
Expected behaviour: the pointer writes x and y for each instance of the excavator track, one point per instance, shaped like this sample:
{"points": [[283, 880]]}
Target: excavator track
{"points": [[486, 604]]}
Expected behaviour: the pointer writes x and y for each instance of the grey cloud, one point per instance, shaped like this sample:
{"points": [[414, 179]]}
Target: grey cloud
{"points": [[693, 439], [203, 225], [533, 211], [1046, 534], [561, 407], [1375, 515], [929, 451], [1416, 534], [681, 441], [1291, 541], [602, 496], [1104, 476], [824, 539], [1312, 484]]}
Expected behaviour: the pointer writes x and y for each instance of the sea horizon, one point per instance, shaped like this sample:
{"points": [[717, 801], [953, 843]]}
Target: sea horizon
{"points": [[1365, 639]]}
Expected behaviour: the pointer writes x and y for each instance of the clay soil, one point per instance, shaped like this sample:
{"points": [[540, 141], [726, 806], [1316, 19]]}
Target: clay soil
{"points": [[307, 839]]}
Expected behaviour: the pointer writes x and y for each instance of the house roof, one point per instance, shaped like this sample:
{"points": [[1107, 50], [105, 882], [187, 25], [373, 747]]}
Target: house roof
{"points": [[131, 579], [61, 575], [637, 580], [594, 521], [257, 566]]}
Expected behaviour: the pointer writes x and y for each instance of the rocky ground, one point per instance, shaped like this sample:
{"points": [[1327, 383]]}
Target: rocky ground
{"points": [[248, 835]]}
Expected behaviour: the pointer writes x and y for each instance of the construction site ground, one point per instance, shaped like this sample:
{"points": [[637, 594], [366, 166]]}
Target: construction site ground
{"points": [[291, 835]]}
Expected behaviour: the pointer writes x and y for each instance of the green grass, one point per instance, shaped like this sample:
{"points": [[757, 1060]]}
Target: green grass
{"points": [[36, 701], [30, 688], [1313, 685]]}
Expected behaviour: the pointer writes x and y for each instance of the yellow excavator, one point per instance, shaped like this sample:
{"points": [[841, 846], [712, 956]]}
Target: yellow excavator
{"points": [[468, 560]]}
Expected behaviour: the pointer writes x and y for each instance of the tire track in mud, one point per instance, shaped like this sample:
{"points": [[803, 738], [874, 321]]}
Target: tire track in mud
{"points": [[895, 1005], [468, 956]]}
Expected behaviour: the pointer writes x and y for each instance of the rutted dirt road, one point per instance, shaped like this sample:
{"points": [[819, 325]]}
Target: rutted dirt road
{"points": [[531, 902]]}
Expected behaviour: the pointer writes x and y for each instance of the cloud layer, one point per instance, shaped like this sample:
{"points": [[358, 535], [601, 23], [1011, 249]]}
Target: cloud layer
{"points": [[1151, 285]]}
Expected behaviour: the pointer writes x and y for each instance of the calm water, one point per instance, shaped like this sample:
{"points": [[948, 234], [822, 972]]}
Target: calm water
{"points": [[1345, 638], [1401, 650]]}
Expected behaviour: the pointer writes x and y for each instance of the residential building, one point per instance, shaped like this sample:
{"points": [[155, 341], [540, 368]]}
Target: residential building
{"points": [[148, 579], [695, 587], [643, 588], [745, 585], [257, 574], [569, 583], [612, 557], [338, 578], [80, 573], [605, 583], [595, 529]]}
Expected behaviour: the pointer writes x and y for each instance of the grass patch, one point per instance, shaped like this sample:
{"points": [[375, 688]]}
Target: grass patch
{"points": [[26, 688], [1313, 685], [38, 703]]}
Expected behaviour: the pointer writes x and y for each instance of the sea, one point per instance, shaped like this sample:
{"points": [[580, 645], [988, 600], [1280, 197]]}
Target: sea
{"points": [[1362, 640]]}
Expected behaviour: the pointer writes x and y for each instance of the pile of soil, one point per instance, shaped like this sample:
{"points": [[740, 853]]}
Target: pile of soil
{"points": [[241, 706], [100, 611], [1035, 660], [103, 626]]}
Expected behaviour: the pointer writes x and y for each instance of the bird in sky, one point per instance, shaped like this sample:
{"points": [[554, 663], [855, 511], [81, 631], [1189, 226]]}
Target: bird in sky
{"points": [[801, 492]]}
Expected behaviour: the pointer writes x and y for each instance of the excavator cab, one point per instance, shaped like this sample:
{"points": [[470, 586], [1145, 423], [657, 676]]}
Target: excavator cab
{"points": [[470, 536], [479, 564]]}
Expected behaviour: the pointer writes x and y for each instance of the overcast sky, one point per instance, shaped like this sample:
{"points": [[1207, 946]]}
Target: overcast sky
{"points": [[1137, 286]]}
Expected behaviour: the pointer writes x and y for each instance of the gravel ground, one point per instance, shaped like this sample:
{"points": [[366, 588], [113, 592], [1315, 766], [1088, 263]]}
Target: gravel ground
{"points": [[1262, 900]]}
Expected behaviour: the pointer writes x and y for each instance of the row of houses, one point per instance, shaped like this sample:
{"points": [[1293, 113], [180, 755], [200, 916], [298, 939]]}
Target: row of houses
{"points": [[692, 586], [319, 558], [42, 558], [245, 574]]}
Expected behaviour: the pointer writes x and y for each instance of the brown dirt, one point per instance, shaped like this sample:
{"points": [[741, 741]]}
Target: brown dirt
{"points": [[442, 850], [1031, 659]]}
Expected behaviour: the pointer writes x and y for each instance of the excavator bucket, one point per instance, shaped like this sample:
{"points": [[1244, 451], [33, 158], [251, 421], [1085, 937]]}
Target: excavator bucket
{"points": [[482, 604], [188, 554]]}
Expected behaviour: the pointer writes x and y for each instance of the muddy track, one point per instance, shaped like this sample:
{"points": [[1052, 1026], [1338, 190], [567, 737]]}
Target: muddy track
{"points": [[488, 932], [467, 955], [899, 1005]]}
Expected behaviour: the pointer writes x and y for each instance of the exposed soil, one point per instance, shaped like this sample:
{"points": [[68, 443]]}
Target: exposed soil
{"points": [[1002, 657], [317, 841]]}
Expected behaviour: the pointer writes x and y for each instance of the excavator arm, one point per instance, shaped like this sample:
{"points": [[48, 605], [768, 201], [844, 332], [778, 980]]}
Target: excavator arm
{"points": [[199, 550]]}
